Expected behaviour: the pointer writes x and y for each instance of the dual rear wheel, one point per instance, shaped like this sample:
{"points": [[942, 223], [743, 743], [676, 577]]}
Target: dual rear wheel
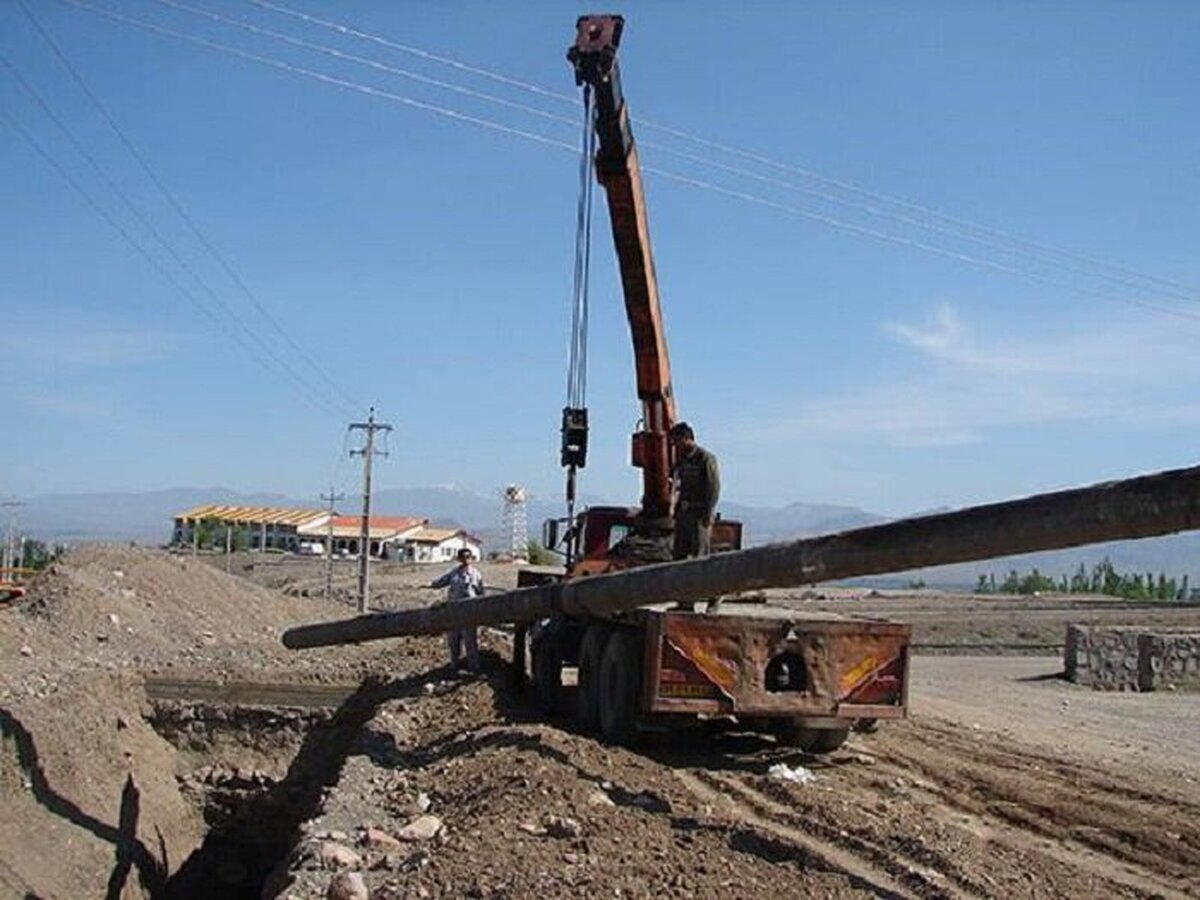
{"points": [[610, 680]]}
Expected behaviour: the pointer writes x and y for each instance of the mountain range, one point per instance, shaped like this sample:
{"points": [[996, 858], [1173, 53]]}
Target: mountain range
{"points": [[147, 518]]}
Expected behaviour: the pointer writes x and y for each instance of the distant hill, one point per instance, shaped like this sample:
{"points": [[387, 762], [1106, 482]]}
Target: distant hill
{"points": [[765, 525], [146, 518], [141, 517]]}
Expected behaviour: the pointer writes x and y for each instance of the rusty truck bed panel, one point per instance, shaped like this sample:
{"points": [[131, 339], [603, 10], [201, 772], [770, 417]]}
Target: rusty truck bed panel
{"points": [[774, 663]]}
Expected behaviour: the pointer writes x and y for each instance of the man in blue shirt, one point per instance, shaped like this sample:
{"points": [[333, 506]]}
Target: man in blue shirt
{"points": [[462, 583]]}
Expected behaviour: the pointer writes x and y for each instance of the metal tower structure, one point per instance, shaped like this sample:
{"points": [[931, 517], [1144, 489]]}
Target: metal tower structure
{"points": [[513, 523]]}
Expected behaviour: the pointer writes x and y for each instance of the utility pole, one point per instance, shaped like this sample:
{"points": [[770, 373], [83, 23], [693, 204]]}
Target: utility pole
{"points": [[364, 544], [332, 498], [9, 548], [228, 548]]}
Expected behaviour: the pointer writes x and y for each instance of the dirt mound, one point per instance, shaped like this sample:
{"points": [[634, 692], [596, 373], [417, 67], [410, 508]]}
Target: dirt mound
{"points": [[88, 791]]}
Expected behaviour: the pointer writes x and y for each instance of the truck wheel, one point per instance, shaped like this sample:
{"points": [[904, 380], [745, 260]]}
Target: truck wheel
{"points": [[620, 686], [792, 733], [547, 674], [591, 652]]}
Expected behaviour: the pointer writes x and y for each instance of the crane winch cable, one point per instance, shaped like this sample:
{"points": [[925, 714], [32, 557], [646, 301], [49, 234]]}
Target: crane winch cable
{"points": [[574, 415]]}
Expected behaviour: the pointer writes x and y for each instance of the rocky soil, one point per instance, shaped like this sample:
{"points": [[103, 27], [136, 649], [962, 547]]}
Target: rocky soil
{"points": [[158, 741]]}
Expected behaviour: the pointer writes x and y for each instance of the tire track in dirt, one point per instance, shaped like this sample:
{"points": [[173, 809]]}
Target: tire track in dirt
{"points": [[1079, 817], [862, 873], [922, 869]]}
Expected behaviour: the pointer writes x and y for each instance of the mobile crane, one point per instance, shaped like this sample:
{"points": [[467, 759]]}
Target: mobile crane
{"points": [[654, 665], [640, 663]]}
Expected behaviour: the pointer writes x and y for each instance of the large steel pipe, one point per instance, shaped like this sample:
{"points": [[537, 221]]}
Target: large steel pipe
{"points": [[1141, 507]]}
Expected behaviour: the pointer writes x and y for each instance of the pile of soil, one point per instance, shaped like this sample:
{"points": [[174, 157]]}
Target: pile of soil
{"points": [[89, 797]]}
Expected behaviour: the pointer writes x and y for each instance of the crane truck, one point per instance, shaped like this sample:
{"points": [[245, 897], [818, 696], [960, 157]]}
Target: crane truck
{"points": [[610, 614], [653, 665]]}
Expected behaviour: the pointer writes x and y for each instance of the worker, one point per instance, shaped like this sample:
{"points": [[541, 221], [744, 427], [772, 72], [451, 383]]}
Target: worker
{"points": [[698, 486], [462, 582]]}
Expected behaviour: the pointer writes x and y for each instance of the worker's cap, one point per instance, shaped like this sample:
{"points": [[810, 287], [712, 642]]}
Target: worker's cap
{"points": [[682, 430], [465, 553]]}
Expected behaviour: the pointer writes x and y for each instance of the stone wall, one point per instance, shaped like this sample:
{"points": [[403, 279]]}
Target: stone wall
{"points": [[1132, 659]]}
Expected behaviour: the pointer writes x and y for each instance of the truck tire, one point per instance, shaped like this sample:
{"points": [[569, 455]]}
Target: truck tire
{"points": [[591, 653], [620, 686], [792, 733], [547, 673]]}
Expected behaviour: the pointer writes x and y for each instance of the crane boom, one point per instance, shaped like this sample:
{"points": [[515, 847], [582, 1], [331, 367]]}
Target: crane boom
{"points": [[594, 58]]}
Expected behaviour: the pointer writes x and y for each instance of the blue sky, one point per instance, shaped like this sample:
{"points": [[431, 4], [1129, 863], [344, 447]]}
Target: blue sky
{"points": [[829, 343]]}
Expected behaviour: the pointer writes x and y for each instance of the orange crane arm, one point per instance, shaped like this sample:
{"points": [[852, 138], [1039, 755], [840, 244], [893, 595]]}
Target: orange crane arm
{"points": [[617, 169]]}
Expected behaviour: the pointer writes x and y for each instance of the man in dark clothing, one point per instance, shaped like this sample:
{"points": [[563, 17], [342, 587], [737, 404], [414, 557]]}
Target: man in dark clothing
{"points": [[698, 487]]}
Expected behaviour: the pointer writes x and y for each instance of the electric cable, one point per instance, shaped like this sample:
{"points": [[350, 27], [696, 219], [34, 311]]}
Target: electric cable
{"points": [[908, 242], [365, 61], [682, 179], [179, 208], [446, 112], [699, 160], [316, 400], [1042, 252], [418, 52], [145, 223]]}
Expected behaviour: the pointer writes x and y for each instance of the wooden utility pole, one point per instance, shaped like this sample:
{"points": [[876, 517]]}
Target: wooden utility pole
{"points": [[364, 545], [1150, 505], [9, 547], [228, 548], [332, 498]]}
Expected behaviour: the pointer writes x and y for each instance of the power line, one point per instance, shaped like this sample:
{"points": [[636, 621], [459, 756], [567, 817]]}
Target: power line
{"points": [[423, 54], [957, 226], [908, 242], [1191, 292], [365, 61], [682, 179], [178, 207], [145, 254], [691, 157], [328, 79]]}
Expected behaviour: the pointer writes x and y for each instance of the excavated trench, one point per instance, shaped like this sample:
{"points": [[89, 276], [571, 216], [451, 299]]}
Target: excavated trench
{"points": [[256, 770]]}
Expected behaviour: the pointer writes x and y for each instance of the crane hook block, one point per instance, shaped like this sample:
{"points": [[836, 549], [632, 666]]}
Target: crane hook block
{"points": [[574, 436], [595, 47]]}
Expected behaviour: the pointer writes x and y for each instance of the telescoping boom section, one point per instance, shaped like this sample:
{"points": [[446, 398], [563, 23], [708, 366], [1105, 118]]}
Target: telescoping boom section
{"points": [[594, 56], [1145, 506]]}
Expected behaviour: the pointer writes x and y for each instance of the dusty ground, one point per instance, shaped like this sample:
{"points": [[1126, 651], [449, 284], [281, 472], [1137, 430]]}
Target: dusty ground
{"points": [[1005, 782]]}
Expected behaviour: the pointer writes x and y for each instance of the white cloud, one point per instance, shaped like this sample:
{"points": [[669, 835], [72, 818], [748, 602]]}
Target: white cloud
{"points": [[963, 383], [1089, 349], [78, 348]]}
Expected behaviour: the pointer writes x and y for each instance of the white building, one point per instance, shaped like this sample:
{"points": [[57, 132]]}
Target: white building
{"points": [[388, 535], [264, 527], [437, 545]]}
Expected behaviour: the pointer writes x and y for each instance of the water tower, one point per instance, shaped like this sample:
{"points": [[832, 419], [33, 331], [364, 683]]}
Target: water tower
{"points": [[512, 523]]}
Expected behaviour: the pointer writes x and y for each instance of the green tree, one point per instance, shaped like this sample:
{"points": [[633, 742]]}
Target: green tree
{"points": [[37, 554], [539, 555]]}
